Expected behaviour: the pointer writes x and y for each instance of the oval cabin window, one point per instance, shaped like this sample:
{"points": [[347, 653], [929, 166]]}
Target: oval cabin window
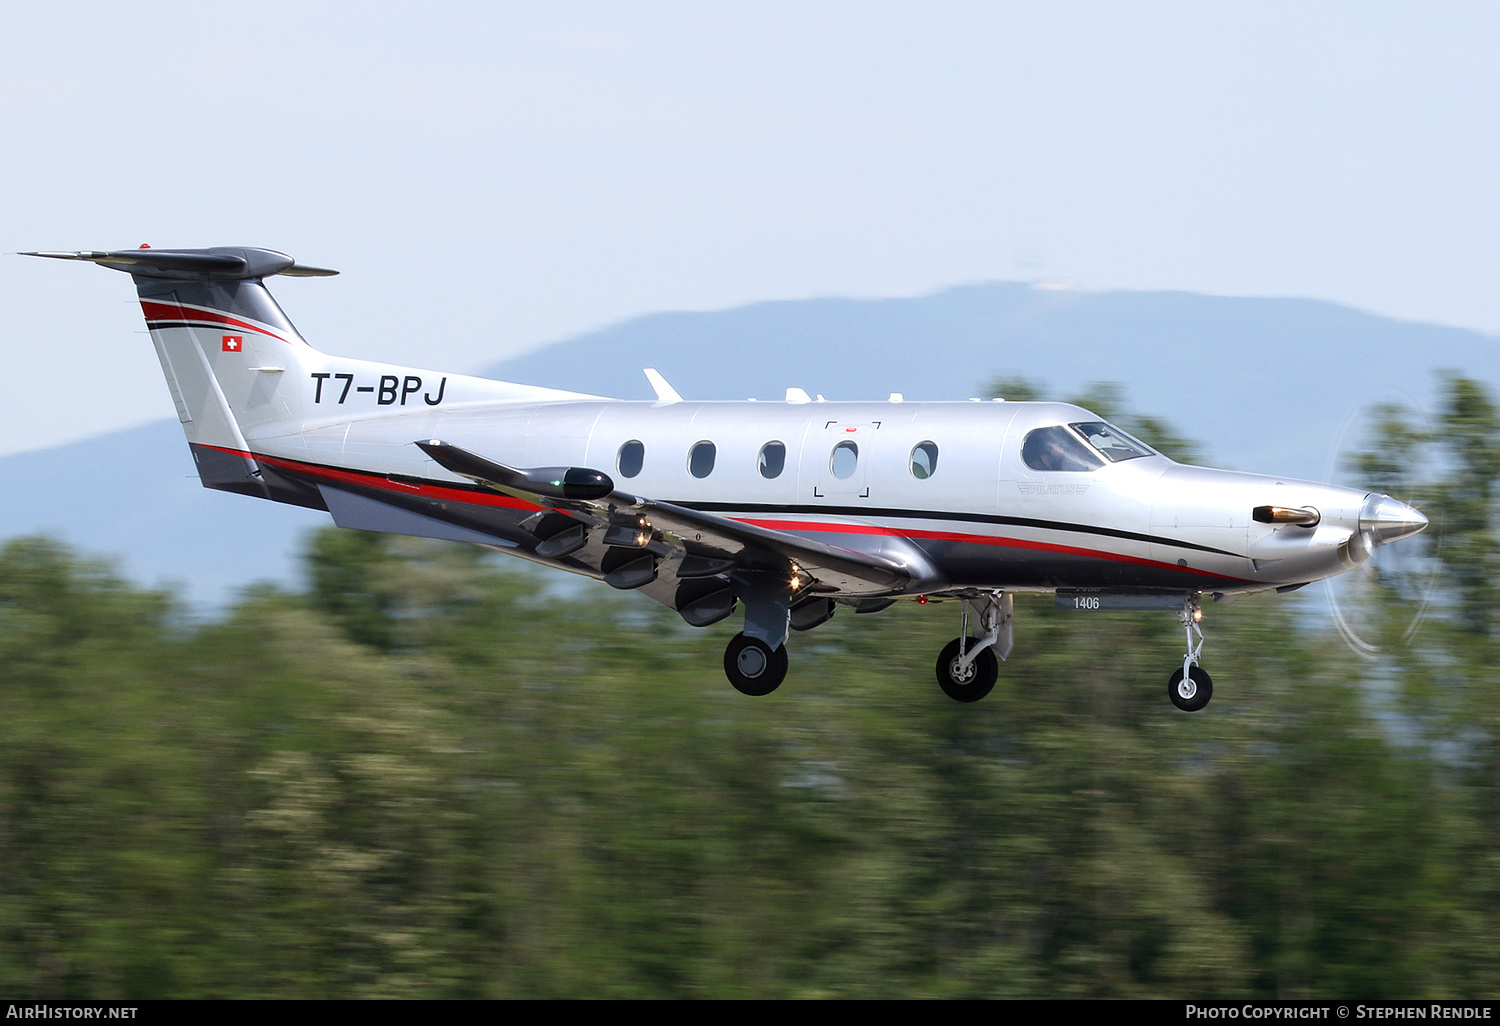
{"points": [[843, 461], [924, 460], [631, 458], [772, 459], [701, 459]]}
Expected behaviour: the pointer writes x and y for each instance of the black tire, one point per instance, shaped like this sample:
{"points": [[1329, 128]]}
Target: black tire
{"points": [[978, 682], [1194, 693], [752, 667]]}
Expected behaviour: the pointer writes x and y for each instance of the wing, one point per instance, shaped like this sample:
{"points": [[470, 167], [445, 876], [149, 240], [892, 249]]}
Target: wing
{"points": [[583, 506]]}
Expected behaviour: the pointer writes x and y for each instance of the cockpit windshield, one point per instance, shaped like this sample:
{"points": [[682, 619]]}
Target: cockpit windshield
{"points": [[1115, 444], [1061, 447], [1057, 448]]}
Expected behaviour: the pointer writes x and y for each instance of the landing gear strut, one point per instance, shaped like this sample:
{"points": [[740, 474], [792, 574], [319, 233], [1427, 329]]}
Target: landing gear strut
{"points": [[1190, 688], [967, 669]]}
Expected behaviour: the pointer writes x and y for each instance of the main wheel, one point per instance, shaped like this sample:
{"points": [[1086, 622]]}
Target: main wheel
{"points": [[1193, 693], [753, 667], [973, 683]]}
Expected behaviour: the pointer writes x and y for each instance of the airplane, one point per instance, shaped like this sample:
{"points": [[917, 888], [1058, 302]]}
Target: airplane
{"points": [[787, 510]]}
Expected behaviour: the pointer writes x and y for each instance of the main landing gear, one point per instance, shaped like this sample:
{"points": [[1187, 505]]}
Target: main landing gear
{"points": [[1190, 688], [967, 669], [754, 667], [755, 660]]}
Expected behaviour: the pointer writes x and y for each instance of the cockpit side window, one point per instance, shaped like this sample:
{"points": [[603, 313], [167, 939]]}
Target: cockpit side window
{"points": [[1115, 444], [1057, 448]]}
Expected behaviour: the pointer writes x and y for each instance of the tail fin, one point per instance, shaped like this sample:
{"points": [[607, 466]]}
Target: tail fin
{"points": [[231, 357], [238, 369]]}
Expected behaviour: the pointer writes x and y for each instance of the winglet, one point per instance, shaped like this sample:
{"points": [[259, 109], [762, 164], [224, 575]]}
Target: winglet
{"points": [[797, 396], [664, 392]]}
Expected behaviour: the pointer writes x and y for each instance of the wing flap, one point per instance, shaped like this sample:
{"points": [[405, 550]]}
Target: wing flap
{"points": [[709, 543], [842, 568]]}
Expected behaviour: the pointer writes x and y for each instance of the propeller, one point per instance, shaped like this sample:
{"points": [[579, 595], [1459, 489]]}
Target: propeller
{"points": [[1359, 601]]}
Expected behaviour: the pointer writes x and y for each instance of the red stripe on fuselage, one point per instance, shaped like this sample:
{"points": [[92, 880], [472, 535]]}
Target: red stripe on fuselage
{"points": [[157, 311], [980, 539], [381, 481], [434, 491]]}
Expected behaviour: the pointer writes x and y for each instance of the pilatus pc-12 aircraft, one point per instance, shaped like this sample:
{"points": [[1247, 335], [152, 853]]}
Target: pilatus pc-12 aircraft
{"points": [[788, 510]]}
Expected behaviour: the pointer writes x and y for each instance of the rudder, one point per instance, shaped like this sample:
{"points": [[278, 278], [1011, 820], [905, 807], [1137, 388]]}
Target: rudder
{"points": [[230, 356]]}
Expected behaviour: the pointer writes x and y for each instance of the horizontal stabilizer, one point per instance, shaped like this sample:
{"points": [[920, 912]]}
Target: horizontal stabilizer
{"points": [[221, 263]]}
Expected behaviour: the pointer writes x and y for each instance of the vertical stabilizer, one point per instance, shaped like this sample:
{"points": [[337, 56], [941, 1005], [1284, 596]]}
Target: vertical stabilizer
{"points": [[232, 361], [227, 350], [246, 386], [231, 358]]}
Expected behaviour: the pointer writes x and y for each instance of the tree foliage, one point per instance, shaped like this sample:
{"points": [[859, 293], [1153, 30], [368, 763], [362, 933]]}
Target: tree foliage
{"points": [[1107, 399], [435, 775], [1452, 471]]}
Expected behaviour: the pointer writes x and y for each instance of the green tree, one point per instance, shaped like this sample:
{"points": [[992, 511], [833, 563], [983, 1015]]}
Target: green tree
{"points": [[433, 774], [1452, 472], [1107, 399]]}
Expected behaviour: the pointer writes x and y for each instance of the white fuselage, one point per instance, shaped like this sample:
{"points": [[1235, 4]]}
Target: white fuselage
{"points": [[982, 518]]}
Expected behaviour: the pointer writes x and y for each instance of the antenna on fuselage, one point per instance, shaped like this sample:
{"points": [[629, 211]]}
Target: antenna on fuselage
{"points": [[665, 393]]}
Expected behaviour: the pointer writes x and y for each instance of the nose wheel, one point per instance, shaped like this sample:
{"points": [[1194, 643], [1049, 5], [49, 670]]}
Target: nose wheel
{"points": [[1190, 687], [1192, 691], [753, 667]]}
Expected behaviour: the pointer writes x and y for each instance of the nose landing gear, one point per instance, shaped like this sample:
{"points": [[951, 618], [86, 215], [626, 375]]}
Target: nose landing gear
{"points": [[1190, 688]]}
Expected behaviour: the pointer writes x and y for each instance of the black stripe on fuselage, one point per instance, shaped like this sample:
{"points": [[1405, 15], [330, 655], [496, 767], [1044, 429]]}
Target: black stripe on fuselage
{"points": [[972, 518], [862, 512]]}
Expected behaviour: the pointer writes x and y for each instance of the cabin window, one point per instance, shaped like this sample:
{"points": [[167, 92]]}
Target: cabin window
{"points": [[631, 458], [1057, 448], [701, 459], [844, 459], [772, 459], [924, 460], [1115, 444]]}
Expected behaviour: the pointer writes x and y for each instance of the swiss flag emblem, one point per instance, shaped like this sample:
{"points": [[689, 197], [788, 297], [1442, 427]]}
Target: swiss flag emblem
{"points": [[234, 343]]}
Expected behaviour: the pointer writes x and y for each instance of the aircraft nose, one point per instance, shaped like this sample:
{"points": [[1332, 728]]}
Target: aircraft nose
{"points": [[1384, 520]]}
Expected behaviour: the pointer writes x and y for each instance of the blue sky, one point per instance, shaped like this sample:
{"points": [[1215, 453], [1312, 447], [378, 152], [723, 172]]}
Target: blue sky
{"points": [[490, 177]]}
